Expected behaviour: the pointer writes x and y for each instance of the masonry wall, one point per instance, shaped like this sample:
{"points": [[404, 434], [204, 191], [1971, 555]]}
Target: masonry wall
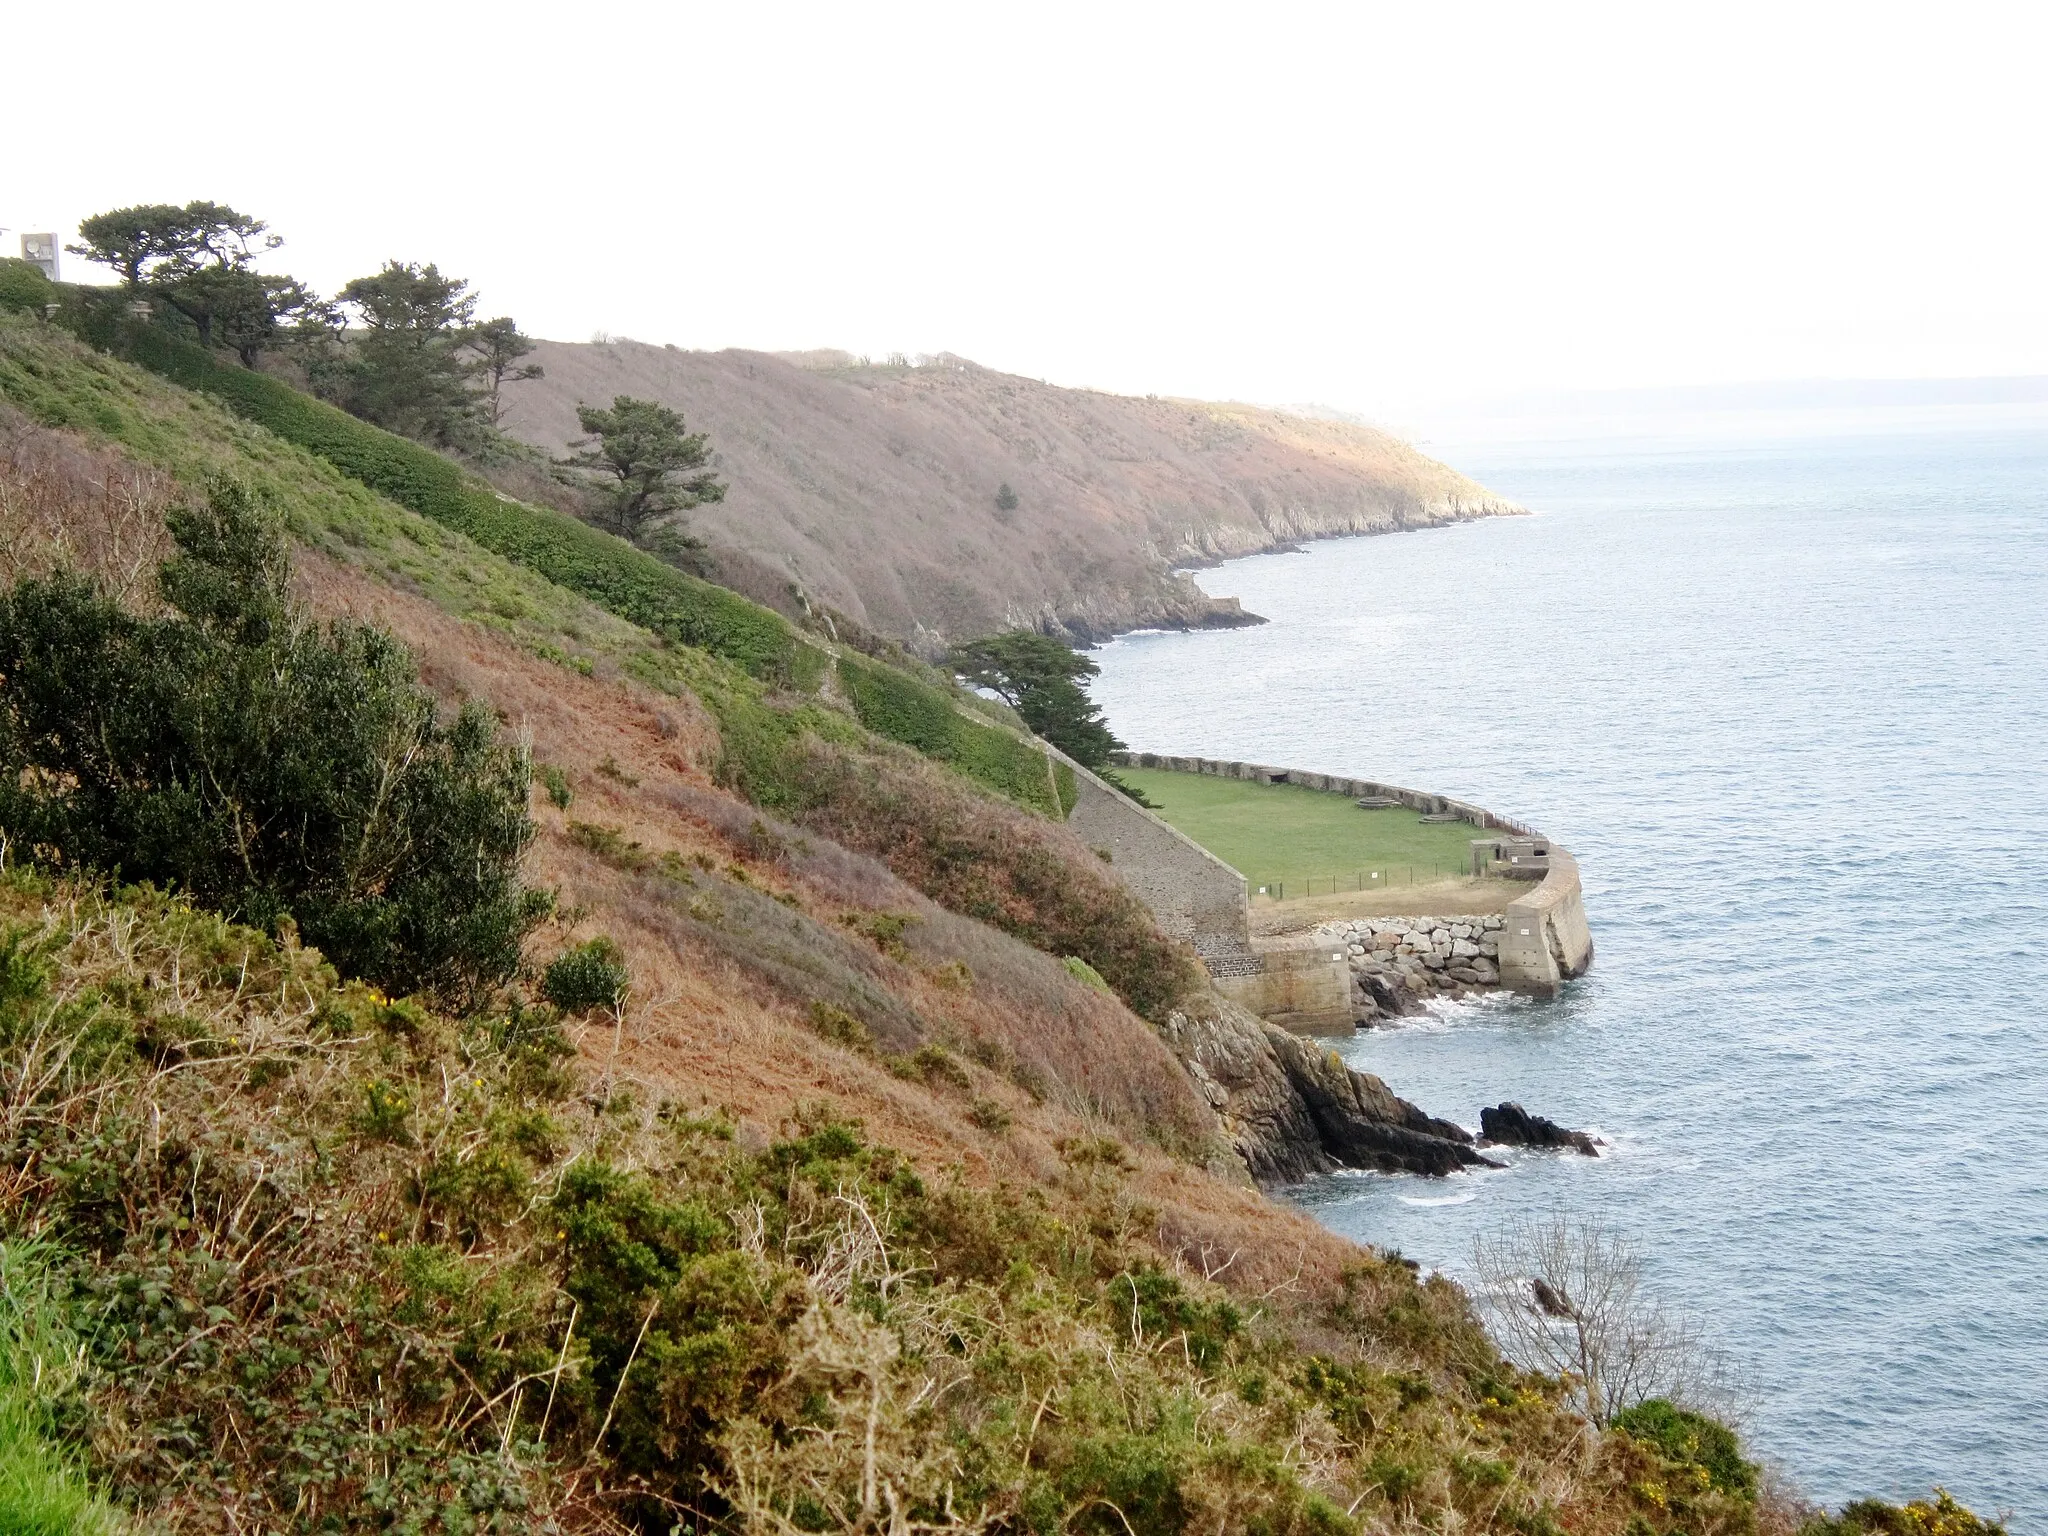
{"points": [[1194, 894], [1544, 943]]}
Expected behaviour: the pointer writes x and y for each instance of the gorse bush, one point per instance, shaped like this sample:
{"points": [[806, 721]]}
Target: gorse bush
{"points": [[591, 975], [1691, 1440], [269, 767], [1941, 1516], [339, 1264]]}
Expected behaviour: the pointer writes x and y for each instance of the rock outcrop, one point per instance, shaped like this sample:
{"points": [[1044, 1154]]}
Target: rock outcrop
{"points": [[1293, 1110], [1510, 1125]]}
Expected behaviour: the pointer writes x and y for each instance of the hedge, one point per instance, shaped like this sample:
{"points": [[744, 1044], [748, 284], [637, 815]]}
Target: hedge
{"points": [[894, 704], [610, 572]]}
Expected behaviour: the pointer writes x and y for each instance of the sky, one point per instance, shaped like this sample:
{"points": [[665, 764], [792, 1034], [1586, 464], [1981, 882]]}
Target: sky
{"points": [[1371, 206]]}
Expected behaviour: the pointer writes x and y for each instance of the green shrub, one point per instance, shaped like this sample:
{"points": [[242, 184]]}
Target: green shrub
{"points": [[557, 785], [990, 1115], [591, 975], [1692, 1440], [840, 1027], [262, 765], [1085, 973], [23, 286], [1874, 1517]]}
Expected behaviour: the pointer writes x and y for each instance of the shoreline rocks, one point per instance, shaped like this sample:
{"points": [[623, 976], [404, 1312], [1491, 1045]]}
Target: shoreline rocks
{"points": [[1293, 1109], [1398, 962], [1510, 1125]]}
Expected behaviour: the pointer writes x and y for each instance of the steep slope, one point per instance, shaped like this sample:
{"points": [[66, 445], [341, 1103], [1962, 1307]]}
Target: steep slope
{"points": [[872, 490], [339, 1261], [793, 754]]}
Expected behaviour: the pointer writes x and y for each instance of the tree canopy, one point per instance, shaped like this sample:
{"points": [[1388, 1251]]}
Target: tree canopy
{"points": [[1040, 678], [405, 369], [650, 466], [496, 346], [200, 259]]}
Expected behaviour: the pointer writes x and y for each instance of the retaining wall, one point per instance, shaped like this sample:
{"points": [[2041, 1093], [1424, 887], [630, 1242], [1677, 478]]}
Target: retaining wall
{"points": [[1193, 894], [1546, 941]]}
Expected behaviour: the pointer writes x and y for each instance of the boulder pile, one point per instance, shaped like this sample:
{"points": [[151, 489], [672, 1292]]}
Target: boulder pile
{"points": [[1396, 962]]}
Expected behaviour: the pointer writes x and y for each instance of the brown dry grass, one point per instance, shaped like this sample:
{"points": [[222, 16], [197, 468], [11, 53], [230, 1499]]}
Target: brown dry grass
{"points": [[873, 489], [1435, 899], [714, 1019], [709, 1025], [66, 503]]}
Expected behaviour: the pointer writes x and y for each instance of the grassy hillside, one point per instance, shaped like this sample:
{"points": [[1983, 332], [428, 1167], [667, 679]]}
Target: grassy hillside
{"points": [[340, 1264], [676, 609], [873, 489], [856, 1211]]}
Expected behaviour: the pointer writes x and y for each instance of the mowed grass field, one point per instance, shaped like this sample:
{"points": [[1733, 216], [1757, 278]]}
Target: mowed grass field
{"points": [[1303, 840]]}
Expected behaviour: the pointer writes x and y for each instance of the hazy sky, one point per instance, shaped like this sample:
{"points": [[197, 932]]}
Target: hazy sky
{"points": [[1367, 205]]}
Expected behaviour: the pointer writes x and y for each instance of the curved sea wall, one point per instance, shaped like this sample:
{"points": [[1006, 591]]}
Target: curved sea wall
{"points": [[1543, 941]]}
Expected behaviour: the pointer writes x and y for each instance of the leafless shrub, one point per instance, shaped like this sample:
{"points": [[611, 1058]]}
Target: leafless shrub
{"points": [[63, 504], [1565, 1296]]}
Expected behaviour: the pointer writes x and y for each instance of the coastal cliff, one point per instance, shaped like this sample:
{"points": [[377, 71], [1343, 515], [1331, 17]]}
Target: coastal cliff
{"points": [[1292, 1109], [873, 493]]}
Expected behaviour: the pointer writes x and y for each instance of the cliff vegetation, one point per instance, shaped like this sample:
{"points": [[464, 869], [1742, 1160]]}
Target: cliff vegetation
{"points": [[825, 1163]]}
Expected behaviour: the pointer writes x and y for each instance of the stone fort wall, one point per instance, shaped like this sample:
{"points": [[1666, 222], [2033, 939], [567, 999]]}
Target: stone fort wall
{"points": [[1543, 942]]}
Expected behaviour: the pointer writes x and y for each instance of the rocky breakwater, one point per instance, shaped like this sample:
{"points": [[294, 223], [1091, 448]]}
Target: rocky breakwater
{"points": [[1397, 963]]}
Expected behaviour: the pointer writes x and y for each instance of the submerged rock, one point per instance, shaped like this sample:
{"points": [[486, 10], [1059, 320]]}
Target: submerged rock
{"points": [[1510, 1125]]}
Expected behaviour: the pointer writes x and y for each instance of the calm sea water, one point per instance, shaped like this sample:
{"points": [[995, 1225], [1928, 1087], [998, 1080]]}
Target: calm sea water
{"points": [[1789, 706]]}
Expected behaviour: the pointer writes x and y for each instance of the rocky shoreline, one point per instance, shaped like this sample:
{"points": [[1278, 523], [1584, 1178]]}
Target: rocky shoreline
{"points": [[1397, 963]]}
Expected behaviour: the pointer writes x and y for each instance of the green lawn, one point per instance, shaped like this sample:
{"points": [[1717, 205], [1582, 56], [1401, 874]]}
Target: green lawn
{"points": [[1304, 840]]}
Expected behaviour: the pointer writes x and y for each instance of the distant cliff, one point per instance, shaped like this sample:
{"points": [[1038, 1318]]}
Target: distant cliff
{"points": [[872, 490]]}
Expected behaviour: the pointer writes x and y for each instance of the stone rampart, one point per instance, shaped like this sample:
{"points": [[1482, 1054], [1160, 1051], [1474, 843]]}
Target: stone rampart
{"points": [[1545, 941], [1541, 943]]}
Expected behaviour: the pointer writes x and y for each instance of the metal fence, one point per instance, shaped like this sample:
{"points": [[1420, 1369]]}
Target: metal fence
{"points": [[1385, 877]]}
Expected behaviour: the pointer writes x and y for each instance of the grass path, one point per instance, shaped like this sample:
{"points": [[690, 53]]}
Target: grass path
{"points": [[1305, 840]]}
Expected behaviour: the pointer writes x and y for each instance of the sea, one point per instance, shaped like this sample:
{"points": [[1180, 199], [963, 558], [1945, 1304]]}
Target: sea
{"points": [[1786, 699]]}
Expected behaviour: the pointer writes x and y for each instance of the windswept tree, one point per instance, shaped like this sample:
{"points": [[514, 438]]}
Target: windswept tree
{"points": [[136, 242], [405, 369], [253, 312], [496, 347], [649, 466], [1041, 678], [200, 259]]}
